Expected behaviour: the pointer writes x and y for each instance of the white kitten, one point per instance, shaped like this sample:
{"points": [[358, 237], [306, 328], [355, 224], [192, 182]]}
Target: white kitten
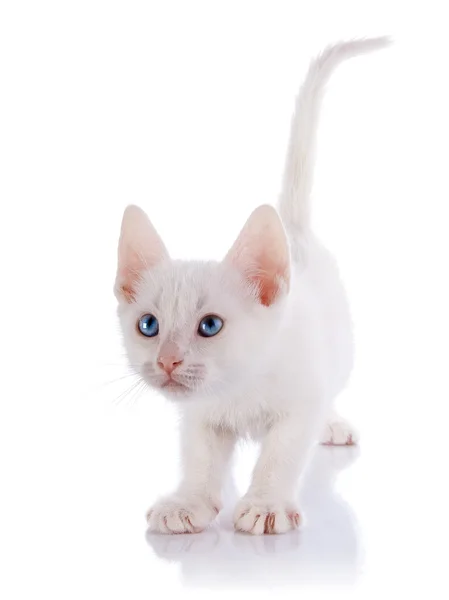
{"points": [[257, 345]]}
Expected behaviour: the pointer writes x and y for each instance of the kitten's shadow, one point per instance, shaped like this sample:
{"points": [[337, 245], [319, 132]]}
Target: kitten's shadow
{"points": [[326, 549]]}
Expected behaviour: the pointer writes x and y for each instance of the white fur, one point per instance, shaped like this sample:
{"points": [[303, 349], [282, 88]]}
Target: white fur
{"points": [[284, 353]]}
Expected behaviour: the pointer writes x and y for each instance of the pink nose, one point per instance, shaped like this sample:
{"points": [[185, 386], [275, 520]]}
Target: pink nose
{"points": [[169, 363]]}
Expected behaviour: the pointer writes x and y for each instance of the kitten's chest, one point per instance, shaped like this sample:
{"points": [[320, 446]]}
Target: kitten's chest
{"points": [[247, 417]]}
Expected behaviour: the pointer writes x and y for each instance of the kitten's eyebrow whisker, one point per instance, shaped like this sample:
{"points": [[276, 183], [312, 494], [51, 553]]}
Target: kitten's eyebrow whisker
{"points": [[200, 303]]}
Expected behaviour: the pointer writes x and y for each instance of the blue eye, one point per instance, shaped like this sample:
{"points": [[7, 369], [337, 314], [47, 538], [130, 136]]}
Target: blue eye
{"points": [[148, 325], [210, 326]]}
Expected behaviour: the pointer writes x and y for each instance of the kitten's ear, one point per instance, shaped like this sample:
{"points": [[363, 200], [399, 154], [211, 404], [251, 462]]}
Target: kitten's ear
{"points": [[262, 254], [140, 248]]}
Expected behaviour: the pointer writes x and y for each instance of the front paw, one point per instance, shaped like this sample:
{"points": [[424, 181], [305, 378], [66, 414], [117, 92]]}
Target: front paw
{"points": [[182, 514], [339, 432], [257, 516]]}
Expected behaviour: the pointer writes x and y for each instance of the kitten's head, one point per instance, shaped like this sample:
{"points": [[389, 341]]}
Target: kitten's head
{"points": [[201, 327]]}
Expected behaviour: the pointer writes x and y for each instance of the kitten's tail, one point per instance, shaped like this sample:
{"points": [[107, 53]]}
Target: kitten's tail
{"points": [[294, 203]]}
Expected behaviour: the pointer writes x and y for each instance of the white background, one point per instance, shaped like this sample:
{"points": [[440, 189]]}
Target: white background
{"points": [[184, 109]]}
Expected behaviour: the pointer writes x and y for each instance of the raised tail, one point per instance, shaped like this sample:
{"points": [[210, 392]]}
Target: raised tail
{"points": [[294, 203]]}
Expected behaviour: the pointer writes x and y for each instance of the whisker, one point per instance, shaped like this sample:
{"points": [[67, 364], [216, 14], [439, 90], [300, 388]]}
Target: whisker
{"points": [[116, 379], [137, 393], [126, 393]]}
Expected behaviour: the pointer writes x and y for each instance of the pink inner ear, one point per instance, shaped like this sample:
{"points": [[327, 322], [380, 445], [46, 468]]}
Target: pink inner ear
{"points": [[129, 273], [127, 284], [271, 278], [267, 290], [261, 253], [140, 248], [128, 293], [268, 286]]}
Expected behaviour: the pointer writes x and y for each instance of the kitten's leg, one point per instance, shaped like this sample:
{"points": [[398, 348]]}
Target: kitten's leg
{"points": [[197, 501], [269, 505], [339, 432]]}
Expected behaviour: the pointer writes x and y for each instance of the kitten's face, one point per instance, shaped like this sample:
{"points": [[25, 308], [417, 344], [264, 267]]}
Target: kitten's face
{"points": [[194, 328], [179, 295]]}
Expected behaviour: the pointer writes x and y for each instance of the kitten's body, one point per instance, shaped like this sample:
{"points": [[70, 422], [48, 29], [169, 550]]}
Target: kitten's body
{"points": [[284, 352], [312, 348]]}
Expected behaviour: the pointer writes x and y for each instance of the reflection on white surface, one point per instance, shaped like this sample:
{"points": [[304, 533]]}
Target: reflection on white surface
{"points": [[326, 549]]}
